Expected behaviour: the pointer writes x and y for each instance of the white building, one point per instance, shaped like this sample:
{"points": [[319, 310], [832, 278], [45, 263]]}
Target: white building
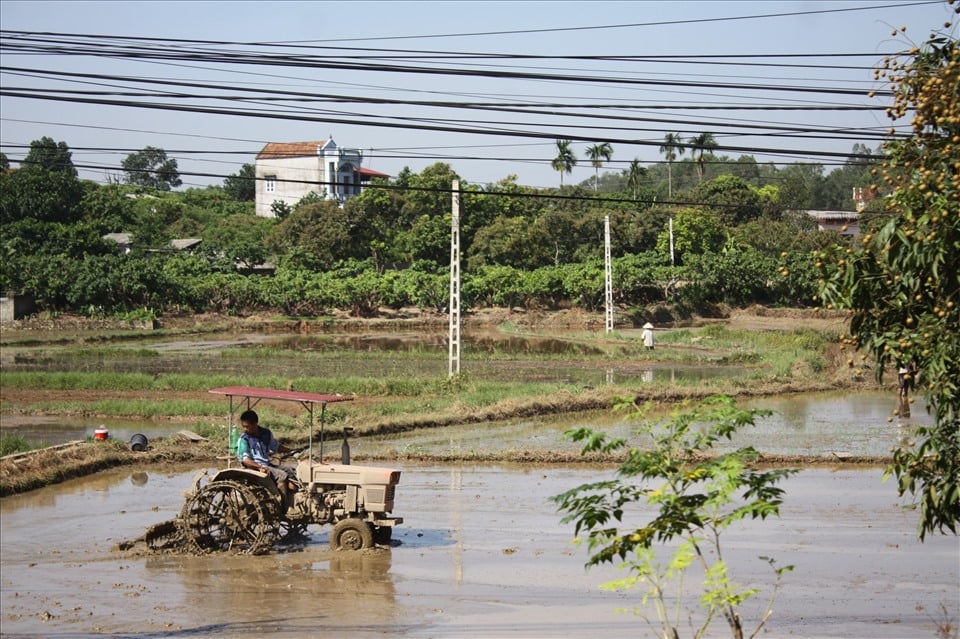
{"points": [[843, 222], [287, 171]]}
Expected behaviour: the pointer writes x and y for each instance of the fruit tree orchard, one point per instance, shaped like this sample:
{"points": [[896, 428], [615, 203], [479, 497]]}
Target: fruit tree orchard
{"points": [[902, 282]]}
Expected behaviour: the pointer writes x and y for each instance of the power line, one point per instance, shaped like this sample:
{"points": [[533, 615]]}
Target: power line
{"points": [[660, 23]]}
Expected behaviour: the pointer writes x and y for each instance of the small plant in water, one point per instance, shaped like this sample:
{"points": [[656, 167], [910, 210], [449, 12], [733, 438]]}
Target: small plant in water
{"points": [[696, 496]]}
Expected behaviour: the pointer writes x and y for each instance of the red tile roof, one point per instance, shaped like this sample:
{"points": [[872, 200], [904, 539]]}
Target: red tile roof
{"points": [[289, 150]]}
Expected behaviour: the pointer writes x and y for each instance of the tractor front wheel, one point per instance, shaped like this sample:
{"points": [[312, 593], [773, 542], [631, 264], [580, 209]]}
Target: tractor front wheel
{"points": [[351, 534]]}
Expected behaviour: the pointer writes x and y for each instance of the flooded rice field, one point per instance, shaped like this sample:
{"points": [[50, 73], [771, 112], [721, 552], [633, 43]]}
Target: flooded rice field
{"points": [[808, 424], [814, 424], [490, 356], [481, 554]]}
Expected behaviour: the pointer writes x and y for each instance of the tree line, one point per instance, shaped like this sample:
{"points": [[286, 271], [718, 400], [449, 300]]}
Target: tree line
{"points": [[739, 237]]}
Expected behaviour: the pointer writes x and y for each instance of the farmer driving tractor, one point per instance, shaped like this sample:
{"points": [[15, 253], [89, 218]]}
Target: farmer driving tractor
{"points": [[254, 448]]}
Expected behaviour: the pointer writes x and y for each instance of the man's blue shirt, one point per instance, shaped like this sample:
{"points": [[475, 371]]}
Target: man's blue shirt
{"points": [[257, 447]]}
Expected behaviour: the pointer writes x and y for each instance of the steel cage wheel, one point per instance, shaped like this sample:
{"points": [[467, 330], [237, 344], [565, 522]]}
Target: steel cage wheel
{"points": [[230, 516], [351, 534]]}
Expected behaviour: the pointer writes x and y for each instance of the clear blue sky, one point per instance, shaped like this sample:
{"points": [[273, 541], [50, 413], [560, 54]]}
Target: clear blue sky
{"points": [[475, 151]]}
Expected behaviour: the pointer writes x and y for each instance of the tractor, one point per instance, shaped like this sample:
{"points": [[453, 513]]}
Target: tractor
{"points": [[240, 510]]}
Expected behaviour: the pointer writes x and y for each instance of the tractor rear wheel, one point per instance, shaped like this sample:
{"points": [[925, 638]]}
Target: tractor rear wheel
{"points": [[351, 534], [230, 516]]}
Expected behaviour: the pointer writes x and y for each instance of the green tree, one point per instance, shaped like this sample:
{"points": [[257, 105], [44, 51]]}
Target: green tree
{"points": [[902, 282], [598, 154], [45, 187], [773, 237], [671, 148], [510, 241], [699, 145], [745, 168], [635, 174], [729, 198], [695, 232], [320, 233], [50, 156], [151, 168], [429, 193], [240, 238], [565, 160], [695, 495], [429, 239], [374, 216], [496, 285], [280, 209], [799, 184], [242, 186], [108, 206], [735, 276]]}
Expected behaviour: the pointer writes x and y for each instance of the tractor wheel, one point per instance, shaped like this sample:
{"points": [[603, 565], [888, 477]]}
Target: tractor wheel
{"points": [[351, 534], [230, 516]]}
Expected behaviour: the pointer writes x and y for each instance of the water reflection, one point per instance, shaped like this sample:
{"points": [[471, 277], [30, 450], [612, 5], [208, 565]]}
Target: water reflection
{"points": [[801, 424], [282, 592], [576, 362], [819, 424], [45, 430]]}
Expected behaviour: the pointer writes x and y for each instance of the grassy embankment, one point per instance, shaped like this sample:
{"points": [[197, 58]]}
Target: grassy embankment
{"points": [[767, 362]]}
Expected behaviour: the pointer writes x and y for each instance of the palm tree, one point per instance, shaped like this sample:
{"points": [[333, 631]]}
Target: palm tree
{"points": [[634, 174], [598, 154], [565, 160], [700, 144], [671, 148]]}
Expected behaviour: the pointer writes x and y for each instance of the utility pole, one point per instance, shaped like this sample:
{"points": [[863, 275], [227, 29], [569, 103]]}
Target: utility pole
{"points": [[454, 368], [673, 263], [608, 274]]}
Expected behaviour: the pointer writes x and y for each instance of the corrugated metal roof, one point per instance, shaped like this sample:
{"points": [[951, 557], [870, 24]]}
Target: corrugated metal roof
{"points": [[834, 215], [119, 238], [270, 393], [185, 243]]}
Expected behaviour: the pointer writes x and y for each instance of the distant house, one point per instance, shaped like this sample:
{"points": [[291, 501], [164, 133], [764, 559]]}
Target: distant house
{"points": [[287, 171], [187, 244], [843, 222], [123, 239], [14, 307]]}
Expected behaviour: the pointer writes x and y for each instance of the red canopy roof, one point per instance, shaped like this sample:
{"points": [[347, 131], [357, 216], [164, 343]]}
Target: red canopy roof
{"points": [[269, 393]]}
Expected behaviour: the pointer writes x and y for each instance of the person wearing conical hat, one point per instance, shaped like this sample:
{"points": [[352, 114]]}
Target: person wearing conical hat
{"points": [[647, 335]]}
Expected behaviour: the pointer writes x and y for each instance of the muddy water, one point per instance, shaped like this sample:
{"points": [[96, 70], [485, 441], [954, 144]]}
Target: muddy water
{"points": [[482, 553], [814, 424]]}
